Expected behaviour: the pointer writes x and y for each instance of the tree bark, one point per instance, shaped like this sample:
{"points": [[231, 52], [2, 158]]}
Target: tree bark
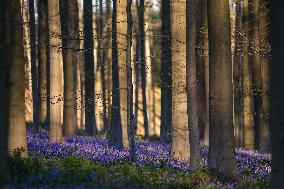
{"points": [[34, 70], [221, 149], [165, 73], [116, 138], [264, 140], [90, 126], [248, 119], [70, 36], [56, 95], [191, 83], [15, 61], [238, 77], [180, 148], [143, 67], [276, 67], [43, 58]]}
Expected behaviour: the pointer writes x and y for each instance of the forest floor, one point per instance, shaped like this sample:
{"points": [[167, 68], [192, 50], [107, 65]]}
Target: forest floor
{"points": [[88, 162]]}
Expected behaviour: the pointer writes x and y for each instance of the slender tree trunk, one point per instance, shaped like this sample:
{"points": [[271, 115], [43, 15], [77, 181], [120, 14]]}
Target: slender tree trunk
{"points": [[200, 66], [43, 58], [180, 148], [4, 95], [191, 83], [130, 115], [237, 76], [276, 67], [34, 66], [16, 102], [89, 68], [166, 74], [137, 68], [221, 135], [107, 61], [116, 138], [264, 140], [143, 66], [248, 121], [256, 70], [56, 95], [148, 68], [70, 33]]}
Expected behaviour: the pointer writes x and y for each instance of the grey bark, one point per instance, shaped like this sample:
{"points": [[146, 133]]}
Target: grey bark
{"points": [[221, 149]]}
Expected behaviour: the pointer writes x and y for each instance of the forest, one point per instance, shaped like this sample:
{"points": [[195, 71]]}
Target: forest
{"points": [[126, 94]]}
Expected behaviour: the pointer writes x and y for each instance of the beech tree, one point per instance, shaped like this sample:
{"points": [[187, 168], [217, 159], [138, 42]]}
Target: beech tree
{"points": [[166, 74], [56, 94], [70, 33], [179, 133], [43, 61], [89, 68], [221, 157]]}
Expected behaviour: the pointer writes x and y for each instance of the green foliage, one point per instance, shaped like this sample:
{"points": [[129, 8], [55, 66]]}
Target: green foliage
{"points": [[37, 171], [23, 166]]}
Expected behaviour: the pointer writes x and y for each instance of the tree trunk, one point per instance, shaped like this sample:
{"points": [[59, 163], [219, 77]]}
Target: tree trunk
{"points": [[180, 148], [264, 140], [248, 120], [116, 138], [43, 58], [56, 95], [148, 68], [237, 77], [276, 67], [256, 70], [16, 86], [4, 95], [130, 115], [166, 74], [191, 83], [221, 135], [200, 66], [34, 66], [70, 35], [90, 126]]}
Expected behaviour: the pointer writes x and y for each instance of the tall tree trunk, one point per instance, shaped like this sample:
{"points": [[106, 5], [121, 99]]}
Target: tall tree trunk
{"points": [[237, 77], [179, 136], [56, 95], [89, 68], [264, 140], [4, 95], [15, 61], [137, 68], [116, 138], [70, 35], [107, 60], [102, 65], [276, 67], [43, 58], [27, 55], [81, 94], [221, 135], [34, 66], [191, 83], [143, 66], [148, 68], [130, 115], [166, 74], [200, 66], [248, 121], [256, 70]]}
